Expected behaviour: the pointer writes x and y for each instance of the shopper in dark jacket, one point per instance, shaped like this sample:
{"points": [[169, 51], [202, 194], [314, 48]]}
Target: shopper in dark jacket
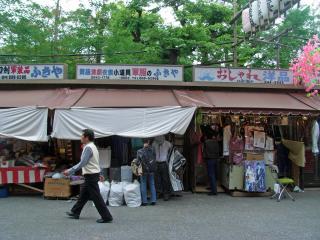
{"points": [[147, 158], [211, 154]]}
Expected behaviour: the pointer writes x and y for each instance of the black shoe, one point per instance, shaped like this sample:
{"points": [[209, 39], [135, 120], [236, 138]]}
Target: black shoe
{"points": [[104, 220], [153, 203], [72, 215], [144, 204], [166, 198], [212, 194]]}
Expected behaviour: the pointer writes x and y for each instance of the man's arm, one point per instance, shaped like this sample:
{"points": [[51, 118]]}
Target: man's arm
{"points": [[85, 157]]}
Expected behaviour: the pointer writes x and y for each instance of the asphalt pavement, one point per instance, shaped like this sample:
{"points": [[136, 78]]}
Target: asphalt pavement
{"points": [[193, 216]]}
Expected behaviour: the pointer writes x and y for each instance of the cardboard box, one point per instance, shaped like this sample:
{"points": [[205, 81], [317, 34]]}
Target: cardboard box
{"points": [[57, 188], [254, 157]]}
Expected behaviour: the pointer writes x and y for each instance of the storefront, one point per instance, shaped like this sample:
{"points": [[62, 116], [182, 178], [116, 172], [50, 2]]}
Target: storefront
{"points": [[121, 112]]}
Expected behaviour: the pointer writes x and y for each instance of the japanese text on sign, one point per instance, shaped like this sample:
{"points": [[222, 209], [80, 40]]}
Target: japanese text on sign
{"points": [[129, 72], [31, 72], [243, 75]]}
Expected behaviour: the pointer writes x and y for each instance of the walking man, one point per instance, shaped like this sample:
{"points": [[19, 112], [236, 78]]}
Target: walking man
{"points": [[89, 190]]}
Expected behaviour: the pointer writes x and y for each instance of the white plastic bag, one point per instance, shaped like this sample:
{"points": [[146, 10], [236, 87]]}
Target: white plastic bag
{"points": [[116, 194], [132, 194], [104, 191]]}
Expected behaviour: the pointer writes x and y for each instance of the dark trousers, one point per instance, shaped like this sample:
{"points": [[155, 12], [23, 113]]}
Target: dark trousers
{"points": [[89, 190], [163, 179], [211, 167]]}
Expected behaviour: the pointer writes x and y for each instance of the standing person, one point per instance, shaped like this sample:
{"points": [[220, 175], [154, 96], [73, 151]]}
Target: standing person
{"points": [[147, 158], [211, 155], [162, 149], [91, 171]]}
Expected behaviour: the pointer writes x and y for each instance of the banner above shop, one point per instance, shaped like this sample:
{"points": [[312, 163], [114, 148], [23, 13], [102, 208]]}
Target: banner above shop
{"points": [[242, 75], [130, 72], [32, 71]]}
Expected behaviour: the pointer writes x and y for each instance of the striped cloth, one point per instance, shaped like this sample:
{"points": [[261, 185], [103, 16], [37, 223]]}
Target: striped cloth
{"points": [[21, 175]]}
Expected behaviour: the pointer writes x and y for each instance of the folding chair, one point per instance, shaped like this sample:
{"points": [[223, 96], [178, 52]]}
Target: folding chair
{"points": [[283, 183]]}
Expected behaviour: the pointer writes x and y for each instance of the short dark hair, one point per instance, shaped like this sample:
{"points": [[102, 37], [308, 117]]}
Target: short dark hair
{"points": [[88, 133], [146, 140]]}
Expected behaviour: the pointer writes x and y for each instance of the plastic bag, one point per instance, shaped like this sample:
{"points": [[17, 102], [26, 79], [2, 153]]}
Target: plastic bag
{"points": [[132, 194], [104, 190], [116, 194]]}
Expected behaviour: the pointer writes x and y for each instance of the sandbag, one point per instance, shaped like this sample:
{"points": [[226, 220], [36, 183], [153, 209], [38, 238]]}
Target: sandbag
{"points": [[116, 194], [132, 194], [104, 190], [126, 174]]}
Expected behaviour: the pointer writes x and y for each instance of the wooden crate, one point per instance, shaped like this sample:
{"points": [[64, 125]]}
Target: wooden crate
{"points": [[57, 188]]}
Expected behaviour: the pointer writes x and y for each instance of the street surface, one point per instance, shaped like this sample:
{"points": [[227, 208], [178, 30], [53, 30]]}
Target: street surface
{"points": [[193, 216]]}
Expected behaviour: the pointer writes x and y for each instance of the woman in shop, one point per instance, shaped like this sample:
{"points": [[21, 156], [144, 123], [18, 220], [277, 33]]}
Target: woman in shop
{"points": [[147, 158]]}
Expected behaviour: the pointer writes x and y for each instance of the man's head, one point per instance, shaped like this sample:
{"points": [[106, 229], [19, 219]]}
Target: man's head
{"points": [[87, 136], [146, 142]]}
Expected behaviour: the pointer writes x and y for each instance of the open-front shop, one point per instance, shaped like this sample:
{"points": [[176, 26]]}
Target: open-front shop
{"points": [[119, 124], [262, 136]]}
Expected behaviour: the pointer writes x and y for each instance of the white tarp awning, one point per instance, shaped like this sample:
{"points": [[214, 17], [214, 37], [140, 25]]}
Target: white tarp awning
{"points": [[126, 122], [26, 123]]}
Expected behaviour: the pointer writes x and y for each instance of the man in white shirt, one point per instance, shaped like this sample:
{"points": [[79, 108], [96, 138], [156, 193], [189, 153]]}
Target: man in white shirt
{"points": [[162, 149], [89, 190]]}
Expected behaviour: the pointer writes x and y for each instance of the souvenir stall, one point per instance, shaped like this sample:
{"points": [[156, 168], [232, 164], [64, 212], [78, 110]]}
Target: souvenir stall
{"points": [[119, 133], [257, 148], [261, 136], [27, 154], [22, 132]]}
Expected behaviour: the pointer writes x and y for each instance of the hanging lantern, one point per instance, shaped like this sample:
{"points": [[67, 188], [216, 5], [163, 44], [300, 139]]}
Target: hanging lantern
{"points": [[254, 13], [264, 10], [273, 6], [246, 25]]}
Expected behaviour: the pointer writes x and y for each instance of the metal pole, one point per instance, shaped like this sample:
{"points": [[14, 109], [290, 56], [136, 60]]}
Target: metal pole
{"points": [[278, 53], [235, 40]]}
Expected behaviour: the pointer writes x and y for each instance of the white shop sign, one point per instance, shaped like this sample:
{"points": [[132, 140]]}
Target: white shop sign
{"points": [[130, 72], [242, 75], [32, 71]]}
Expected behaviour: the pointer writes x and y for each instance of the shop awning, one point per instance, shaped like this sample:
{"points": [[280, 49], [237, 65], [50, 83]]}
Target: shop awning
{"points": [[257, 102], [26, 123], [126, 122], [55, 98], [188, 98], [127, 98], [313, 102]]}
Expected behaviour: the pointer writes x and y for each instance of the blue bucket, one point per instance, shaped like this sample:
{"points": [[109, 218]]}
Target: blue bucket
{"points": [[3, 192]]}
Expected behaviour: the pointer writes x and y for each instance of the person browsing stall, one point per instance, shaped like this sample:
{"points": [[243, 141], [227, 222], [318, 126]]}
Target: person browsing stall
{"points": [[211, 156], [147, 158]]}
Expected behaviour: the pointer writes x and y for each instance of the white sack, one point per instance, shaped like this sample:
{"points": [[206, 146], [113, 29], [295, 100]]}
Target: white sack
{"points": [[116, 194], [104, 190], [132, 194]]}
